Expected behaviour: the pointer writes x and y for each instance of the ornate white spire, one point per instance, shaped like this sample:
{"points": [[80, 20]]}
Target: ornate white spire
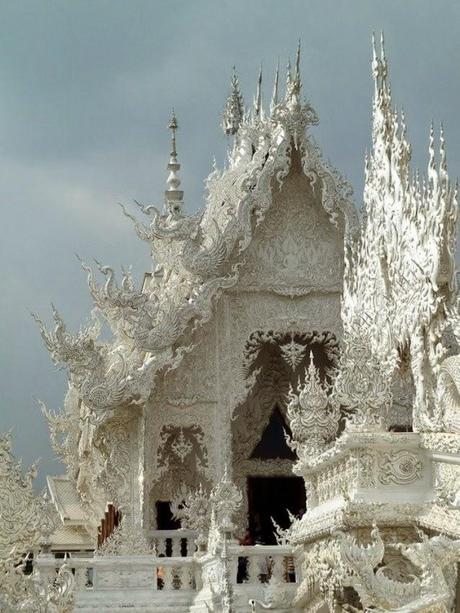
{"points": [[258, 96], [274, 100], [403, 269], [432, 173], [173, 195], [444, 177], [234, 107], [288, 77], [297, 65]]}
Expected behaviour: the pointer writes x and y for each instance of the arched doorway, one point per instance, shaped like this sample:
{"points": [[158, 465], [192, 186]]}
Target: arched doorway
{"points": [[262, 460]]}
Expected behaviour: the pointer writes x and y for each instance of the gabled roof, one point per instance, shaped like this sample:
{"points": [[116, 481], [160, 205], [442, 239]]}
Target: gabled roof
{"points": [[72, 538], [68, 504]]}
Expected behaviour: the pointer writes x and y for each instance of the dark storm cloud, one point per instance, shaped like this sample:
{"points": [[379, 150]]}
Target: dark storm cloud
{"points": [[86, 89]]}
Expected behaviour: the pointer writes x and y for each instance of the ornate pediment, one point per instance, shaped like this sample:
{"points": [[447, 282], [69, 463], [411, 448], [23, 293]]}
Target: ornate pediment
{"points": [[296, 250]]}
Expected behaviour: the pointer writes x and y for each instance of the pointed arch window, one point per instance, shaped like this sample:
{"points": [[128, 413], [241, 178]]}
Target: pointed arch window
{"points": [[272, 444]]}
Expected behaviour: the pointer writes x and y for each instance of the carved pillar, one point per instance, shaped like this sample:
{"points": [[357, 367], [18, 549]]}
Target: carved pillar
{"points": [[222, 428]]}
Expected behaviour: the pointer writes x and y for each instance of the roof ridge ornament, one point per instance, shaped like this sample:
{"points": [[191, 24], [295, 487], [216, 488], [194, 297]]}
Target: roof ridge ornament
{"points": [[293, 113], [173, 195]]}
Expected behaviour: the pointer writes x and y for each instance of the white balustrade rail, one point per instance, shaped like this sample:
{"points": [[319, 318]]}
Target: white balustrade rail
{"points": [[106, 572], [260, 563], [83, 569], [251, 566], [176, 573], [173, 543]]}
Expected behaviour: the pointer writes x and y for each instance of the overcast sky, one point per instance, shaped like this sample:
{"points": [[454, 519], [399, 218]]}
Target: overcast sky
{"points": [[86, 89]]}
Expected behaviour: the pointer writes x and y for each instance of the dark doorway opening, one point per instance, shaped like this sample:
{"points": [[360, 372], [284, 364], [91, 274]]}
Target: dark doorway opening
{"points": [[273, 441], [165, 519], [271, 497]]}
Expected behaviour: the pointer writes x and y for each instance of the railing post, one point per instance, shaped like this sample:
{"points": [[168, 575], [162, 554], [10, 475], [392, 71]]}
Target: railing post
{"points": [[279, 569], [176, 546], [46, 565], [161, 546], [187, 577], [178, 578], [252, 569], [168, 578], [81, 577]]}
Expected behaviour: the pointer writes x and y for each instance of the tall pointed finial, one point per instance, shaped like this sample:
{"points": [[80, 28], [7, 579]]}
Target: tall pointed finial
{"points": [[173, 196], [297, 64], [173, 126], [379, 63], [288, 76], [432, 173], [375, 61], [234, 107], [431, 163], [443, 175], [258, 97], [383, 58], [274, 100], [442, 150], [382, 46]]}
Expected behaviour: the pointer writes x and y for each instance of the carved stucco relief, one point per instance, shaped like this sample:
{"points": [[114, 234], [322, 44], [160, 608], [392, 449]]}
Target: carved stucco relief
{"points": [[118, 439], [212, 379], [296, 249], [398, 467], [178, 444], [247, 313]]}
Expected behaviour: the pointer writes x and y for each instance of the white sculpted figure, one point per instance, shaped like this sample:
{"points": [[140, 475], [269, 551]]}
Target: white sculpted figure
{"points": [[422, 588]]}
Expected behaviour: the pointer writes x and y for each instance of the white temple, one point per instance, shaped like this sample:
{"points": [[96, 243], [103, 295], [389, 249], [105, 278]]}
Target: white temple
{"points": [[275, 421]]}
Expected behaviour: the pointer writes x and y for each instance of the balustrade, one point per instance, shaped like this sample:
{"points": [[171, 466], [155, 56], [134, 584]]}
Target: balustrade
{"points": [[175, 573], [167, 573], [82, 568], [261, 563], [174, 543], [250, 566]]}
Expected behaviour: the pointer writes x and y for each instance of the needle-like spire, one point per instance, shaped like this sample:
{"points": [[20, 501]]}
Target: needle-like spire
{"points": [[288, 76], [274, 100], [444, 177], [432, 170], [258, 97], [173, 195], [383, 58], [297, 65]]}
